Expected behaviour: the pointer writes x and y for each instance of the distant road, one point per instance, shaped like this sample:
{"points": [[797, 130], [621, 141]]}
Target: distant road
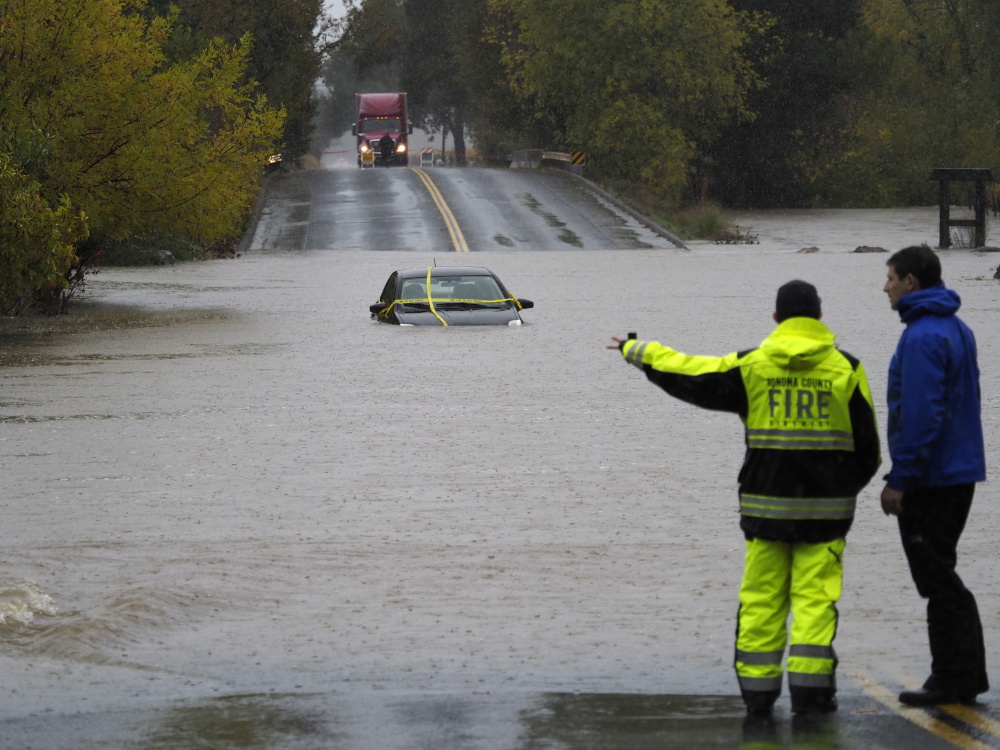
{"points": [[445, 210]]}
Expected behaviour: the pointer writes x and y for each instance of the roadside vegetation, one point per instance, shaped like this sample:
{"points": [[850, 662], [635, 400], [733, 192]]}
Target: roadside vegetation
{"points": [[728, 103], [125, 124]]}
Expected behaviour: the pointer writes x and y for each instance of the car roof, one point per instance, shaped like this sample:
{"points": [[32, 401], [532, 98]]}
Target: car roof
{"points": [[412, 273]]}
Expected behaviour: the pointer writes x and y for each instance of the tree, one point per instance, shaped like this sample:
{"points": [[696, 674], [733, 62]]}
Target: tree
{"points": [[284, 55], [36, 240], [136, 143], [498, 121], [638, 84], [432, 74], [930, 99], [808, 69], [335, 108], [373, 38]]}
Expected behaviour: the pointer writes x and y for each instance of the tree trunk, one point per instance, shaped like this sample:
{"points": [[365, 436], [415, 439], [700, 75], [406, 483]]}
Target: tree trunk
{"points": [[459, 131]]}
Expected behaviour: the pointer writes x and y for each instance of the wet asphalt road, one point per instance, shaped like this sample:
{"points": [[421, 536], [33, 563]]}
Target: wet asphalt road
{"points": [[239, 514], [555, 721], [401, 210]]}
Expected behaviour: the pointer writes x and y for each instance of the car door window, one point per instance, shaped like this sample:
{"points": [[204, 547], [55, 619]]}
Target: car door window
{"points": [[389, 291], [414, 289]]}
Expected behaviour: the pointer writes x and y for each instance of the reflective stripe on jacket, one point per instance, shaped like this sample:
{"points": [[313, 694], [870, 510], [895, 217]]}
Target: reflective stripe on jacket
{"points": [[812, 441]]}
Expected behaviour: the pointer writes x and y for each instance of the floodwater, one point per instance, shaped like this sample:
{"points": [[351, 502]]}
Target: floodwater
{"points": [[222, 480]]}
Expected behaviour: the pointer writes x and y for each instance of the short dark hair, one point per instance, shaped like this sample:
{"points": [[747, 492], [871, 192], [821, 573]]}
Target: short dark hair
{"points": [[920, 261], [797, 299]]}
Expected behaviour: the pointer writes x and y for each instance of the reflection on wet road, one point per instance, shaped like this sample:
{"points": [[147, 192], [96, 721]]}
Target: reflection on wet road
{"points": [[484, 721]]}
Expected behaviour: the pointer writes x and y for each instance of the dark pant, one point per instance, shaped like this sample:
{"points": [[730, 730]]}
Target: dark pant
{"points": [[930, 526]]}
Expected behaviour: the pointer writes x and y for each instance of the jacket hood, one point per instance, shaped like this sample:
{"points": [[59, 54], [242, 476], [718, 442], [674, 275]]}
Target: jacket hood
{"points": [[798, 343], [938, 300]]}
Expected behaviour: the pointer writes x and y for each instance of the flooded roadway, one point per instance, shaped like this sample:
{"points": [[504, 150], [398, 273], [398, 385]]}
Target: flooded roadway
{"points": [[238, 513]]}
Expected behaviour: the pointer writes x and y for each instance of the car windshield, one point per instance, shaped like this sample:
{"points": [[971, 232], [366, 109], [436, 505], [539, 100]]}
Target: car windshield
{"points": [[463, 289], [380, 124]]}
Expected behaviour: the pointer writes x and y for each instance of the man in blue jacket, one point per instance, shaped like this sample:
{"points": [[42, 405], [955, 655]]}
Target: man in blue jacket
{"points": [[936, 446]]}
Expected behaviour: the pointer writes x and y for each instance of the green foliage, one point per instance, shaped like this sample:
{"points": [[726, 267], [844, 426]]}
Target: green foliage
{"points": [[934, 102], [638, 84], [433, 75], [374, 37], [744, 102], [283, 56], [809, 68], [702, 222], [36, 240], [155, 250], [141, 145], [498, 120], [103, 132]]}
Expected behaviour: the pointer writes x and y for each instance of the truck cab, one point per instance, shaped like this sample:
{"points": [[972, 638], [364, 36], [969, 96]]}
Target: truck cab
{"points": [[382, 126]]}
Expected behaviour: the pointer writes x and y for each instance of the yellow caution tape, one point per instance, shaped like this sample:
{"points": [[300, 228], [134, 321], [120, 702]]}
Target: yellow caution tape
{"points": [[429, 300]]}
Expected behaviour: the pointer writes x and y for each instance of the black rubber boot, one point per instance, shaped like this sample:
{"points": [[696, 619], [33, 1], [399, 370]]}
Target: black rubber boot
{"points": [[760, 703], [813, 700]]}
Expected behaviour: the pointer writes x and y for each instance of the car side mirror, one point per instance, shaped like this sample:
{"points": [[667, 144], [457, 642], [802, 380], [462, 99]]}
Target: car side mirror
{"points": [[526, 304], [410, 131], [377, 307], [354, 129]]}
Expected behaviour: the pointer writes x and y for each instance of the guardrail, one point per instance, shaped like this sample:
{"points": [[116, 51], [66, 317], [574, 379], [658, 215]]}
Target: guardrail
{"points": [[537, 158]]}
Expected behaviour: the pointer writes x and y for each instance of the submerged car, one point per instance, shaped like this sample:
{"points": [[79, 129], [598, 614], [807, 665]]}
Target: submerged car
{"points": [[447, 296]]}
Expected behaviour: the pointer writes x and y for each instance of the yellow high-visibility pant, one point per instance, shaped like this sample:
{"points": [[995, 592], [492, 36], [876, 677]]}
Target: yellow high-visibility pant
{"points": [[781, 577]]}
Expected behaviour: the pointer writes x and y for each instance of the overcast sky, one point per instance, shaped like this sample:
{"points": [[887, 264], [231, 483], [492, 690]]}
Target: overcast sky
{"points": [[334, 7]]}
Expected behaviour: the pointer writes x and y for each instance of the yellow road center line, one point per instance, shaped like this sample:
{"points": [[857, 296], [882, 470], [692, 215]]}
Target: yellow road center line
{"points": [[924, 720], [974, 719], [457, 238]]}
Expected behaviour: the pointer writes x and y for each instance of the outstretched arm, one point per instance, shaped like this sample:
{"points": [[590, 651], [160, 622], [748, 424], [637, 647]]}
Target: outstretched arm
{"points": [[708, 382]]}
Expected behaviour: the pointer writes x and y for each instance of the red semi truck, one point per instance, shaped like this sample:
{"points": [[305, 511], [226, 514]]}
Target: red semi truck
{"points": [[381, 115]]}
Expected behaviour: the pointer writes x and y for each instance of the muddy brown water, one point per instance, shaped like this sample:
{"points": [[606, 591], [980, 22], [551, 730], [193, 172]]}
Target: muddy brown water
{"points": [[223, 478]]}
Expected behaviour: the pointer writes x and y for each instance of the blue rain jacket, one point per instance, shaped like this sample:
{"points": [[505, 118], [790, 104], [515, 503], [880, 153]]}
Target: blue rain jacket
{"points": [[934, 425]]}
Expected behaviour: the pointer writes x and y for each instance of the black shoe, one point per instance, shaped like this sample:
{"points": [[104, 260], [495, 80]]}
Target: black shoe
{"points": [[824, 707], [813, 700], [935, 697], [813, 704], [760, 704]]}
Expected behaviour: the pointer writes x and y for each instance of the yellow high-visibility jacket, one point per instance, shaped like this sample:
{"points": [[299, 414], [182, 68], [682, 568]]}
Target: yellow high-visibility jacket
{"points": [[811, 437]]}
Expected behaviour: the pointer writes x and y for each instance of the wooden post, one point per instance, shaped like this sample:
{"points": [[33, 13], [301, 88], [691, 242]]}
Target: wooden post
{"points": [[980, 177], [979, 204], [944, 213]]}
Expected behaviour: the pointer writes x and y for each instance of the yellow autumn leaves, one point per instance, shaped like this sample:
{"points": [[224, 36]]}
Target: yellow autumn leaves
{"points": [[101, 131]]}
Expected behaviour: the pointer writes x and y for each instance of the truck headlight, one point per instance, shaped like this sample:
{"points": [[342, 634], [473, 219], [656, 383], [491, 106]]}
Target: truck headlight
{"points": [[401, 148]]}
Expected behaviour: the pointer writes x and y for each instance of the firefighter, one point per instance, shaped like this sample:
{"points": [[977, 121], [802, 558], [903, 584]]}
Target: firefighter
{"points": [[812, 446]]}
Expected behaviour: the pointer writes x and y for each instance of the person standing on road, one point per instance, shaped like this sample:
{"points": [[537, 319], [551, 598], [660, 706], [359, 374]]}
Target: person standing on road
{"points": [[936, 447], [385, 147], [812, 446]]}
